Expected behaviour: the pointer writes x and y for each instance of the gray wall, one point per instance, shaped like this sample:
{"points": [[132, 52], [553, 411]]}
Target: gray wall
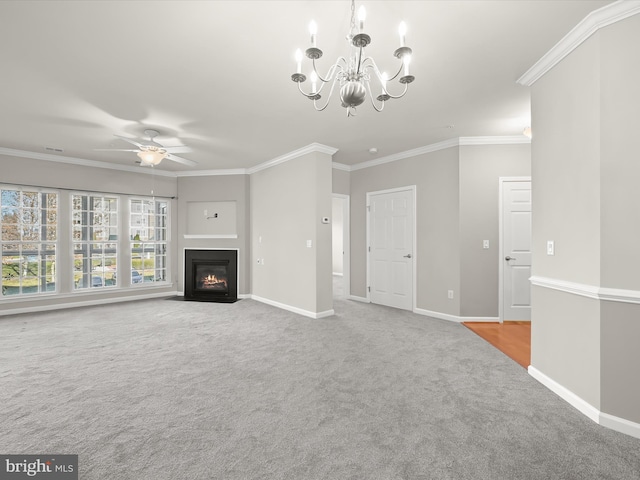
{"points": [[457, 193], [585, 198], [287, 204], [437, 257], [565, 341], [480, 170], [49, 174], [566, 168], [341, 181], [216, 188]]}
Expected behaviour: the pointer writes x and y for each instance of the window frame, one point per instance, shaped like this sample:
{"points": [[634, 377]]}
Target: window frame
{"points": [[150, 245], [47, 251], [94, 248]]}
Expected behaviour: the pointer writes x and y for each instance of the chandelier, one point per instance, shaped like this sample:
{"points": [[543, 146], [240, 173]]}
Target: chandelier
{"points": [[353, 75]]}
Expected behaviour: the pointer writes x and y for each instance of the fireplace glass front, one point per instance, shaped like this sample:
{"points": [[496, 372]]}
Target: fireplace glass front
{"points": [[211, 275]]}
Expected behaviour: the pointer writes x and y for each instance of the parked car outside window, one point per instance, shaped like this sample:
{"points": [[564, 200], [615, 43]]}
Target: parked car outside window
{"points": [[95, 282], [136, 276]]}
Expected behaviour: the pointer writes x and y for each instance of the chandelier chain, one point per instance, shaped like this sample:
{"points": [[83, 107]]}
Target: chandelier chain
{"points": [[353, 16]]}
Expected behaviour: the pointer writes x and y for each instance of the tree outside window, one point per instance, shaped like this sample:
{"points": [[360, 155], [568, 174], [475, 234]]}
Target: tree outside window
{"points": [[28, 236]]}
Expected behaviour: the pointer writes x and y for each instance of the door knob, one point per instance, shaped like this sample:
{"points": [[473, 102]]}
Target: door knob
{"points": [[507, 258], [407, 255]]}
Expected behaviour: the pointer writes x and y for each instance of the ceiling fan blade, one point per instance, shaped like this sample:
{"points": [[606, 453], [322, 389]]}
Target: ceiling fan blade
{"points": [[132, 142], [184, 161], [178, 149], [115, 150]]}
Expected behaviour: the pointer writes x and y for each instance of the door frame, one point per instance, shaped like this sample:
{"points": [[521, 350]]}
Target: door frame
{"points": [[408, 188], [501, 264], [346, 242]]}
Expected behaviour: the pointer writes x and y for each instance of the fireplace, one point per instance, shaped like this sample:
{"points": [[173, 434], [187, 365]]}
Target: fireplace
{"points": [[211, 275]]}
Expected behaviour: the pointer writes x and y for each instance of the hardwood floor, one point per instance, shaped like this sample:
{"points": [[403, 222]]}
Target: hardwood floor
{"points": [[511, 338]]}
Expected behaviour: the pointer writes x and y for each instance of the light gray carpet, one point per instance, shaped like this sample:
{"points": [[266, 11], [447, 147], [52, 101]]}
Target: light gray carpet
{"points": [[167, 389]]}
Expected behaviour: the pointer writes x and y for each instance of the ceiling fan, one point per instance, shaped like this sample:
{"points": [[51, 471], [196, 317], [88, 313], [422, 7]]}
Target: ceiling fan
{"points": [[152, 152]]}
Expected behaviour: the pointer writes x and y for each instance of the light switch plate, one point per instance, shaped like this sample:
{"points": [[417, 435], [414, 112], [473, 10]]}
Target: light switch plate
{"points": [[550, 247], [485, 244]]}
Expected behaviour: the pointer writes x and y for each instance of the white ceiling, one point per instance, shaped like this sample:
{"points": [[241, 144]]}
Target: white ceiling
{"points": [[215, 75]]}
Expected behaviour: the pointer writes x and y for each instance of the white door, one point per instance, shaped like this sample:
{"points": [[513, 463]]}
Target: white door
{"points": [[516, 250], [391, 255]]}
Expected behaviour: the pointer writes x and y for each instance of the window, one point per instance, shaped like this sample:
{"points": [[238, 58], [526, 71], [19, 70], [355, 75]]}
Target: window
{"points": [[95, 241], [29, 221], [148, 236]]}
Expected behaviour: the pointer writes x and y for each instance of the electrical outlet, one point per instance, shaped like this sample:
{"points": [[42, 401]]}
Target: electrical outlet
{"points": [[450, 294], [485, 244]]}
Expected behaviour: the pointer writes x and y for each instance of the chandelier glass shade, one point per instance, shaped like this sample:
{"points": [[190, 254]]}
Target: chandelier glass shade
{"points": [[152, 155], [353, 76]]}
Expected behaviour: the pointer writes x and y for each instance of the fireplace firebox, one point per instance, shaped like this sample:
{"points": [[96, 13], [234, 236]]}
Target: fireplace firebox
{"points": [[211, 275]]}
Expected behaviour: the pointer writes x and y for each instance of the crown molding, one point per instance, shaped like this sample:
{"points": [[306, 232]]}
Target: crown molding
{"points": [[47, 157], [434, 147], [596, 20], [341, 166], [311, 148], [210, 173], [498, 140]]}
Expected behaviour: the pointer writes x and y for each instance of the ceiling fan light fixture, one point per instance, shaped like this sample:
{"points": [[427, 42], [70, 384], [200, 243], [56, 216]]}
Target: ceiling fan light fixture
{"points": [[152, 155]]}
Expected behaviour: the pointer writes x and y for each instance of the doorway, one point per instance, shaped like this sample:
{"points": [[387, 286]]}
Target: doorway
{"points": [[515, 249], [390, 253], [340, 245]]}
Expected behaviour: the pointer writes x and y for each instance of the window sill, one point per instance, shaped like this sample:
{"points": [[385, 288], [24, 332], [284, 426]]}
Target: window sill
{"points": [[15, 299]]}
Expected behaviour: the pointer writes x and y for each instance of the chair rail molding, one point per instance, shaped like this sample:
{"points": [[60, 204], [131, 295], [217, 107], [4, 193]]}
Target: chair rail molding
{"points": [[589, 291]]}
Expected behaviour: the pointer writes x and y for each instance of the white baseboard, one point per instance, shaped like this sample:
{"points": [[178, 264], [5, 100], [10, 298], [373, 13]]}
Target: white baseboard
{"points": [[84, 303], [620, 425], [606, 420], [453, 318], [574, 400], [299, 311], [359, 299]]}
